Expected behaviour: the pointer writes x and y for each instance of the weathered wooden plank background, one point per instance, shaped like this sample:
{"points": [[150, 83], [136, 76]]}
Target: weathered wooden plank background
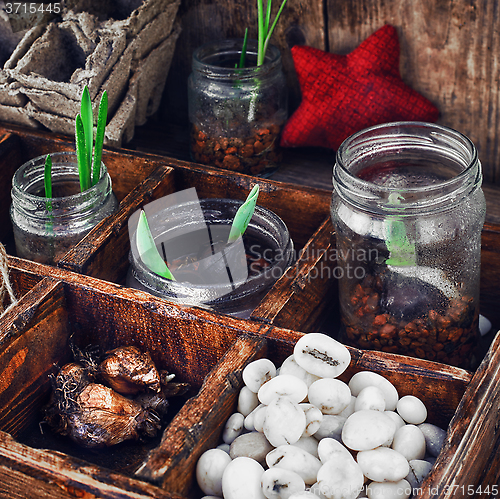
{"points": [[450, 52]]}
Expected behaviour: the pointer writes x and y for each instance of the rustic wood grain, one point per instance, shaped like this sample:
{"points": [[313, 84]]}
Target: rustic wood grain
{"points": [[474, 431], [197, 426], [203, 21], [310, 280], [193, 343], [26, 472], [450, 52], [39, 319], [104, 251]]}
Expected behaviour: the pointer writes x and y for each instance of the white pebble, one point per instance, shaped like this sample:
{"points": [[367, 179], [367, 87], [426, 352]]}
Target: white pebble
{"points": [[224, 447], [278, 483], [291, 367], [412, 409], [315, 489], [256, 373], [295, 459], [370, 397], [383, 464], [209, 470], [211, 497], [368, 429], [313, 419], [419, 469], [247, 401], [329, 448], [396, 418], [321, 355], [284, 385], [340, 479], [248, 423], [389, 490], [330, 395], [434, 438], [309, 444], [284, 421], [242, 479], [253, 444], [484, 325], [233, 427], [349, 409], [409, 441], [367, 378], [259, 418], [303, 495], [330, 427]]}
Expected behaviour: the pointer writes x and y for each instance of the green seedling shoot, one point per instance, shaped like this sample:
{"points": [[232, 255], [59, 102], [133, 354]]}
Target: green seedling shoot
{"points": [[264, 30], [243, 215], [88, 151], [47, 180], [401, 251], [148, 251]]}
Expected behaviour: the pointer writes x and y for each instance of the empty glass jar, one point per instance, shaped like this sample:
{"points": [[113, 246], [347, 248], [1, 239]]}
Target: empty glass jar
{"points": [[408, 211], [46, 228]]}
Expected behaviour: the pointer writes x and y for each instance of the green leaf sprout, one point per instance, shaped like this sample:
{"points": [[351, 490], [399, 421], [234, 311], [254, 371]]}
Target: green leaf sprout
{"points": [[148, 251], [401, 251], [88, 152], [264, 32], [243, 215]]}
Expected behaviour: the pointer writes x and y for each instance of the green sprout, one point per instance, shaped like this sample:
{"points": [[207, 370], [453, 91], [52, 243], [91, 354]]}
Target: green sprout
{"points": [[264, 29], [402, 252], [88, 151], [148, 251], [243, 215]]}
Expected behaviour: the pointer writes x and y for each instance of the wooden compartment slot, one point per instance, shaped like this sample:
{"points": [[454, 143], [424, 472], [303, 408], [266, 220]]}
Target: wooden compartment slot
{"points": [[202, 350], [18, 146]]}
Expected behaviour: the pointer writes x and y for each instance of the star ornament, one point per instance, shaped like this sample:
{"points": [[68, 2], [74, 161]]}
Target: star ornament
{"points": [[343, 94]]}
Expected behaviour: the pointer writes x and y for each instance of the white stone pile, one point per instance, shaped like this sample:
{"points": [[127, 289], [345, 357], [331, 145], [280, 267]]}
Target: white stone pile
{"points": [[301, 433]]}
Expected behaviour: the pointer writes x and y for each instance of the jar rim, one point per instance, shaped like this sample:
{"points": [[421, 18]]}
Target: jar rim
{"points": [[38, 162], [234, 45], [198, 289], [452, 133], [365, 144]]}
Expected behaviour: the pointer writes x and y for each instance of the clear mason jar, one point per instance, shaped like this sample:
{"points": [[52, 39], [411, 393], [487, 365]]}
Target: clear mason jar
{"points": [[46, 228], [237, 114], [268, 252], [408, 211]]}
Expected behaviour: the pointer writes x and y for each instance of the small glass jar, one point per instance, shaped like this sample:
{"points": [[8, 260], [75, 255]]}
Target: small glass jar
{"points": [[408, 211], [237, 114], [46, 228], [268, 250]]}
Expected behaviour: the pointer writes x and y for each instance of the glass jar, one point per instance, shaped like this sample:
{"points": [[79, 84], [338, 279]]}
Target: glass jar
{"points": [[46, 228], [237, 114], [268, 252], [408, 211]]}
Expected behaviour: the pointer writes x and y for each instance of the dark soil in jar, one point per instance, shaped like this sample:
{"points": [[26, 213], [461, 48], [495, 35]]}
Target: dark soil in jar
{"points": [[258, 256], [255, 154], [447, 333]]}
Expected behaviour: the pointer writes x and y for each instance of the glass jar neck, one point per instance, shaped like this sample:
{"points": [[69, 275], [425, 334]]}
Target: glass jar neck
{"points": [[406, 168], [216, 60], [28, 196]]}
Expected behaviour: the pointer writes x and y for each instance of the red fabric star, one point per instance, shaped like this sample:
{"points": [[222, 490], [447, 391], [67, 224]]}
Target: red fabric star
{"points": [[342, 94]]}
